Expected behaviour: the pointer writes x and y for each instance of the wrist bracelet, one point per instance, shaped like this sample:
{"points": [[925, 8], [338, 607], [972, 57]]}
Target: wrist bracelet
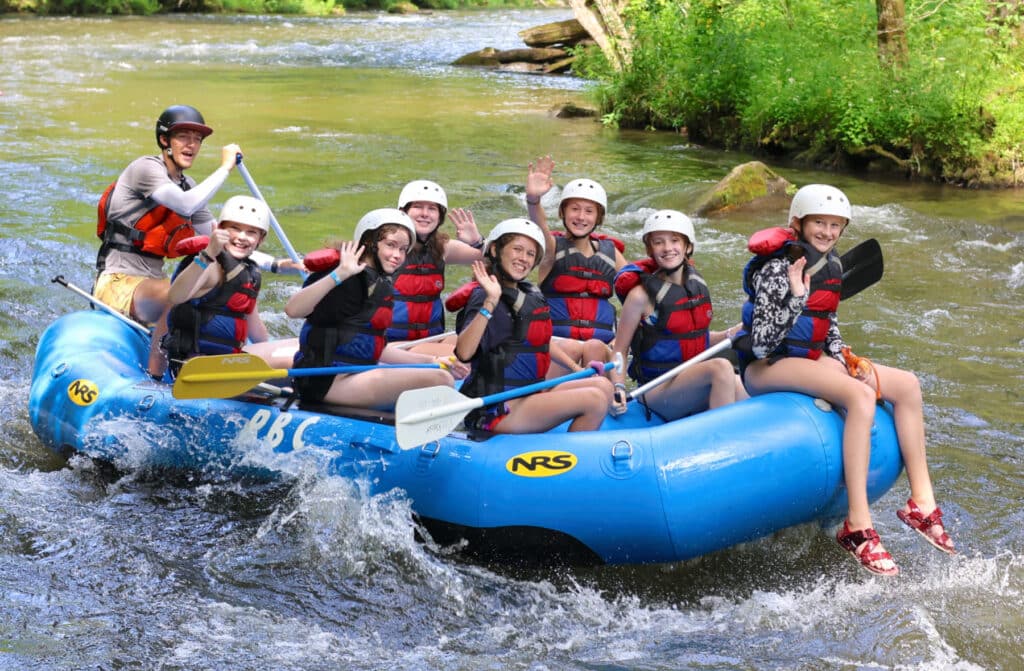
{"points": [[273, 266], [620, 385], [486, 313], [530, 201], [334, 276], [199, 262], [479, 244]]}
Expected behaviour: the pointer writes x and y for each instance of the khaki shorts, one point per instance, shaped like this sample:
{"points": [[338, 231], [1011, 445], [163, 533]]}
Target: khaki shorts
{"points": [[117, 290]]}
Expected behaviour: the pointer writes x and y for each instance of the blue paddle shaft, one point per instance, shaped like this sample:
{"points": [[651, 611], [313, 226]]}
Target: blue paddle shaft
{"points": [[343, 370], [540, 386]]}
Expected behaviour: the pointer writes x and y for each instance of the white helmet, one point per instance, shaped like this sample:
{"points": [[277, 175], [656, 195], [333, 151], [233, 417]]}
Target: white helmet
{"points": [[374, 219], [819, 199], [246, 210], [587, 189], [669, 220], [519, 227], [425, 190]]}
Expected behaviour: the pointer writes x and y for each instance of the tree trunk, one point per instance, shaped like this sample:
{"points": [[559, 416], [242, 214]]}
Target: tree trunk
{"points": [[892, 33], [603, 20]]}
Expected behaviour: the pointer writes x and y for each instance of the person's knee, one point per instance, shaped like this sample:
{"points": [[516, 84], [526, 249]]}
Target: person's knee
{"points": [[722, 372], [149, 300], [596, 399], [442, 377], [863, 399], [595, 350]]}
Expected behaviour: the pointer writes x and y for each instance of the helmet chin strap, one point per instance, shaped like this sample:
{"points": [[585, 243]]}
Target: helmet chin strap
{"points": [[499, 270], [181, 171], [672, 271]]}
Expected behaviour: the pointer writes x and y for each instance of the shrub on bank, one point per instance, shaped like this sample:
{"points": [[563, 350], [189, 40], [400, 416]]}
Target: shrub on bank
{"points": [[803, 79]]}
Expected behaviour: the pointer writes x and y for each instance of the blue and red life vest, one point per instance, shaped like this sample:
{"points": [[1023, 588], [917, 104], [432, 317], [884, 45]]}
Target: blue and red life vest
{"points": [[418, 311], [522, 357], [578, 289], [348, 325], [677, 329], [808, 335], [215, 323]]}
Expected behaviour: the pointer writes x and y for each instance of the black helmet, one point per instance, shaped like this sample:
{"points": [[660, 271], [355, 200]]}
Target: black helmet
{"points": [[180, 117]]}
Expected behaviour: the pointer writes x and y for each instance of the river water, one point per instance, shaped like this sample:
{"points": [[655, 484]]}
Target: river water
{"points": [[167, 571]]}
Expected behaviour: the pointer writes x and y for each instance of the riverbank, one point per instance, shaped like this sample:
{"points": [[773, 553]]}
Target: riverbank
{"points": [[786, 83]]}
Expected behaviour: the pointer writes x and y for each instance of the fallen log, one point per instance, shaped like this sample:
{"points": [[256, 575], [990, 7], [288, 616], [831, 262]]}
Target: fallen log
{"points": [[566, 33]]}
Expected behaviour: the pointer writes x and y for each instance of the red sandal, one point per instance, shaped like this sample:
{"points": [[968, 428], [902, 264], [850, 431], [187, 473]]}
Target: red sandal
{"points": [[867, 540], [917, 521]]}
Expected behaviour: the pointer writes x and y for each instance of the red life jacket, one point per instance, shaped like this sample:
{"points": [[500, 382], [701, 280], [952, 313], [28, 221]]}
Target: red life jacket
{"points": [[155, 234]]}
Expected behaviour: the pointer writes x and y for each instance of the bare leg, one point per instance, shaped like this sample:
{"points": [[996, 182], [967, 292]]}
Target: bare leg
{"points": [[380, 389], [585, 402], [573, 349], [709, 384], [277, 353], [440, 348], [903, 390], [595, 350], [828, 379]]}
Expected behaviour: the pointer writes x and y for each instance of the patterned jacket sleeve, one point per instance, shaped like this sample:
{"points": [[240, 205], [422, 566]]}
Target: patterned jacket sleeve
{"points": [[775, 307], [834, 341]]}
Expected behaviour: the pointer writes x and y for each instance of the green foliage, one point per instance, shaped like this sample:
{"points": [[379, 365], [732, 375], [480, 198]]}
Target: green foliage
{"points": [[800, 76]]}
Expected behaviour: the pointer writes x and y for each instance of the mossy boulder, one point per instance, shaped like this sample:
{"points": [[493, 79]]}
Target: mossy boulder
{"points": [[570, 110], [750, 185], [403, 8]]}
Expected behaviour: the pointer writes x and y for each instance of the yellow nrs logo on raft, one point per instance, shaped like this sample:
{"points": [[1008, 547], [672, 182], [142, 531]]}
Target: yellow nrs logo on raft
{"points": [[541, 464], [83, 392]]}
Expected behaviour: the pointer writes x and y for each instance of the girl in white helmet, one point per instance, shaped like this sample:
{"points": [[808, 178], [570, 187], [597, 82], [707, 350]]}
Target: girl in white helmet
{"points": [[666, 314], [419, 311], [795, 345], [505, 335], [347, 309], [578, 270], [213, 294]]}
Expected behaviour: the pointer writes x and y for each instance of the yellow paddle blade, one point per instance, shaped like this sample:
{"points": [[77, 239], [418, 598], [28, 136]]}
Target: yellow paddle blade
{"points": [[222, 376]]}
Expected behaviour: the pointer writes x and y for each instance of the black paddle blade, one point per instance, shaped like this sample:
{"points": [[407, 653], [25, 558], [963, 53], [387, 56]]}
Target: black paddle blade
{"points": [[862, 267]]}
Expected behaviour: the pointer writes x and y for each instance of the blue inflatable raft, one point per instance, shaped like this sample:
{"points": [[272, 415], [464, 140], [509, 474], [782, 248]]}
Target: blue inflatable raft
{"points": [[637, 491]]}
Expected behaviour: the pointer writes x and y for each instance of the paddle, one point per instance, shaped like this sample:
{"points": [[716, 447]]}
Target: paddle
{"points": [[668, 375], [862, 267], [59, 279], [233, 374], [423, 415], [255, 190]]}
